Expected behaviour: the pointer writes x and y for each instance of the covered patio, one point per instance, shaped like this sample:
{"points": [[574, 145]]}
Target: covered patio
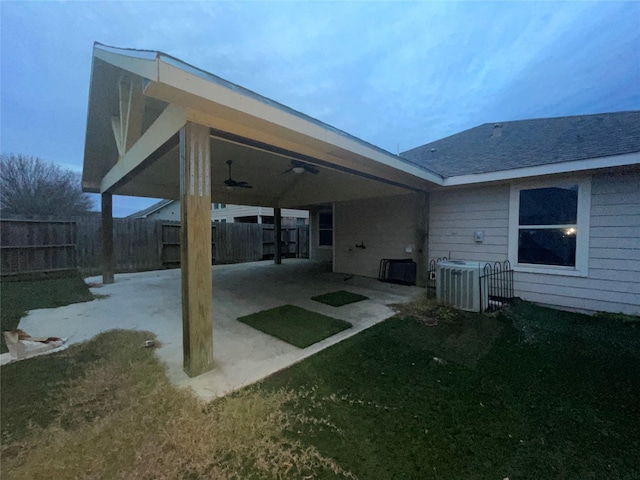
{"points": [[242, 355], [158, 127]]}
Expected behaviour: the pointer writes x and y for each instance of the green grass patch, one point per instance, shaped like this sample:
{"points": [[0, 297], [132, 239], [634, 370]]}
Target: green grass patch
{"points": [[295, 325], [403, 403], [548, 395], [16, 298], [339, 298]]}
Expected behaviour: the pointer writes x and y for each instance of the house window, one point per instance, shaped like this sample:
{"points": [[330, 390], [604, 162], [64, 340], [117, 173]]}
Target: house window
{"points": [[325, 229], [549, 227], [218, 206]]}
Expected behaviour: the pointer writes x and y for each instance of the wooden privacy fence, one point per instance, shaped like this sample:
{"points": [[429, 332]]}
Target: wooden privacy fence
{"points": [[43, 246], [239, 242], [29, 246]]}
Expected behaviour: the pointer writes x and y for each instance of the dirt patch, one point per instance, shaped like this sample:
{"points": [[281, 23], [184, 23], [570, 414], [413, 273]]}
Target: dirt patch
{"points": [[456, 336]]}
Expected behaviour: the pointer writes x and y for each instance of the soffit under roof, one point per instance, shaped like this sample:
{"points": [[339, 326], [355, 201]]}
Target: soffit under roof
{"points": [[216, 103]]}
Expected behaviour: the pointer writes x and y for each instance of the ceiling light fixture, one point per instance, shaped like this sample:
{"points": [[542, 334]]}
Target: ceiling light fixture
{"points": [[298, 170]]}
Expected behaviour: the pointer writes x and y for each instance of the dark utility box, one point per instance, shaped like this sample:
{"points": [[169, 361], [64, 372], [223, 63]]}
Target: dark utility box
{"points": [[402, 271]]}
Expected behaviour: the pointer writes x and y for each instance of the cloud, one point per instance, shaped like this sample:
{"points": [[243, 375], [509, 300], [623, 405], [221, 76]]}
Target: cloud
{"points": [[392, 73]]}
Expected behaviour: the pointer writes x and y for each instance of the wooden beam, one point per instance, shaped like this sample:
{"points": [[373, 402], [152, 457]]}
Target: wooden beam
{"points": [[195, 249], [108, 266], [134, 113], [165, 126], [422, 238], [127, 125], [277, 221]]}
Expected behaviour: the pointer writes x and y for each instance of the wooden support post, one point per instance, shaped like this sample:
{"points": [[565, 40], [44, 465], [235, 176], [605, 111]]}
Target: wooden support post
{"points": [[108, 266], [422, 238], [195, 249], [277, 220]]}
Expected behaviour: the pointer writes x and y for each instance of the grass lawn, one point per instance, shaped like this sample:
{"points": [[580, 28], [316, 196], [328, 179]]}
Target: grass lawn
{"points": [[562, 406], [534, 394], [339, 298], [105, 409], [16, 298], [295, 325]]}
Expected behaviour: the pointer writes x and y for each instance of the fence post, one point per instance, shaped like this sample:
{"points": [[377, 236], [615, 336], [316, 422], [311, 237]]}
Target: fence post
{"points": [[277, 220], [107, 238]]}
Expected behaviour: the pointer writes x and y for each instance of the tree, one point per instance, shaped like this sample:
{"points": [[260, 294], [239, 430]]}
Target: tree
{"points": [[32, 186]]}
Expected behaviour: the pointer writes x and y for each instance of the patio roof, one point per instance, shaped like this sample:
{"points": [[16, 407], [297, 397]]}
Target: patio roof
{"points": [[139, 100]]}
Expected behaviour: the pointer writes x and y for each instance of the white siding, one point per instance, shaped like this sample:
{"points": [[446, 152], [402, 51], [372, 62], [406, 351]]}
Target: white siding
{"points": [[172, 212], [613, 281], [234, 211], [454, 215], [386, 226], [168, 212]]}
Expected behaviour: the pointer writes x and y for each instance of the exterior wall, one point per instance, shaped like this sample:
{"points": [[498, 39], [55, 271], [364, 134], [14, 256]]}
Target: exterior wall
{"points": [[228, 213], [169, 212], [317, 253], [613, 280], [386, 226], [233, 211], [455, 214]]}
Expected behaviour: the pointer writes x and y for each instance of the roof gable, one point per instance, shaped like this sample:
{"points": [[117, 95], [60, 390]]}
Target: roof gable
{"points": [[152, 209]]}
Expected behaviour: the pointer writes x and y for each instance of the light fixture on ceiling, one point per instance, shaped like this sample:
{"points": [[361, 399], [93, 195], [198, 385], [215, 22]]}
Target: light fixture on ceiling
{"points": [[299, 167]]}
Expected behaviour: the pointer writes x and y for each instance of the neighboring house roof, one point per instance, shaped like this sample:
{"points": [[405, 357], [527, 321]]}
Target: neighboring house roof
{"points": [[229, 210], [152, 209], [494, 147]]}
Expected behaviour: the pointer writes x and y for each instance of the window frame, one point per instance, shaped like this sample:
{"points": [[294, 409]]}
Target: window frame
{"points": [[581, 268], [333, 240]]}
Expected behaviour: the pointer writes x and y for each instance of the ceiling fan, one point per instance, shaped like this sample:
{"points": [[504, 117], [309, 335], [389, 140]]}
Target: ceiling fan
{"points": [[231, 183], [301, 167]]}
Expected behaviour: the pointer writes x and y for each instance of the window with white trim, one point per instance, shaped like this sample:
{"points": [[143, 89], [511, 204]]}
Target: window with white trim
{"points": [[549, 227]]}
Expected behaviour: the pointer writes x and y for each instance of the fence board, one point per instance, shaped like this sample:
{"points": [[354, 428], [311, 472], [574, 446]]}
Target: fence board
{"points": [[40, 246], [35, 246]]}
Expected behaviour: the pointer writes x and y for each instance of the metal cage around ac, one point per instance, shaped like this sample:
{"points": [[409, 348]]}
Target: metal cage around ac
{"points": [[495, 284]]}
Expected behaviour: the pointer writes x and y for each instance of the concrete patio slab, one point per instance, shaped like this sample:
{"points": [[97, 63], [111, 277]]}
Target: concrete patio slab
{"points": [[242, 355]]}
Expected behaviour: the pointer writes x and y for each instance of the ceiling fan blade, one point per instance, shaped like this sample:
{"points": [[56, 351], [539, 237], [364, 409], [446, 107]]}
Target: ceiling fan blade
{"points": [[311, 169], [243, 185], [287, 170]]}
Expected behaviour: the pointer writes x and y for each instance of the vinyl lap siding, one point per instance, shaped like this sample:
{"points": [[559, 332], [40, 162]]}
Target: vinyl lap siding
{"points": [[455, 215], [231, 212], [613, 282], [169, 212]]}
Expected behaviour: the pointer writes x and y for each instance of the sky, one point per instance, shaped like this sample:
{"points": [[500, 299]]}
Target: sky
{"points": [[395, 74]]}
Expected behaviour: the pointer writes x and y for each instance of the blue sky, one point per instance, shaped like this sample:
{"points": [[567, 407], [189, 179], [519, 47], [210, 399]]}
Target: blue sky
{"points": [[396, 74]]}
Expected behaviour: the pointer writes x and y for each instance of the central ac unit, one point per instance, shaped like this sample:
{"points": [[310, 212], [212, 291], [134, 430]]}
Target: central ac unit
{"points": [[458, 285]]}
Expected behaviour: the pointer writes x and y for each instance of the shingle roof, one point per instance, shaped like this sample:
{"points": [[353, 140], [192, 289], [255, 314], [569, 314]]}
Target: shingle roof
{"points": [[149, 210], [528, 143]]}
